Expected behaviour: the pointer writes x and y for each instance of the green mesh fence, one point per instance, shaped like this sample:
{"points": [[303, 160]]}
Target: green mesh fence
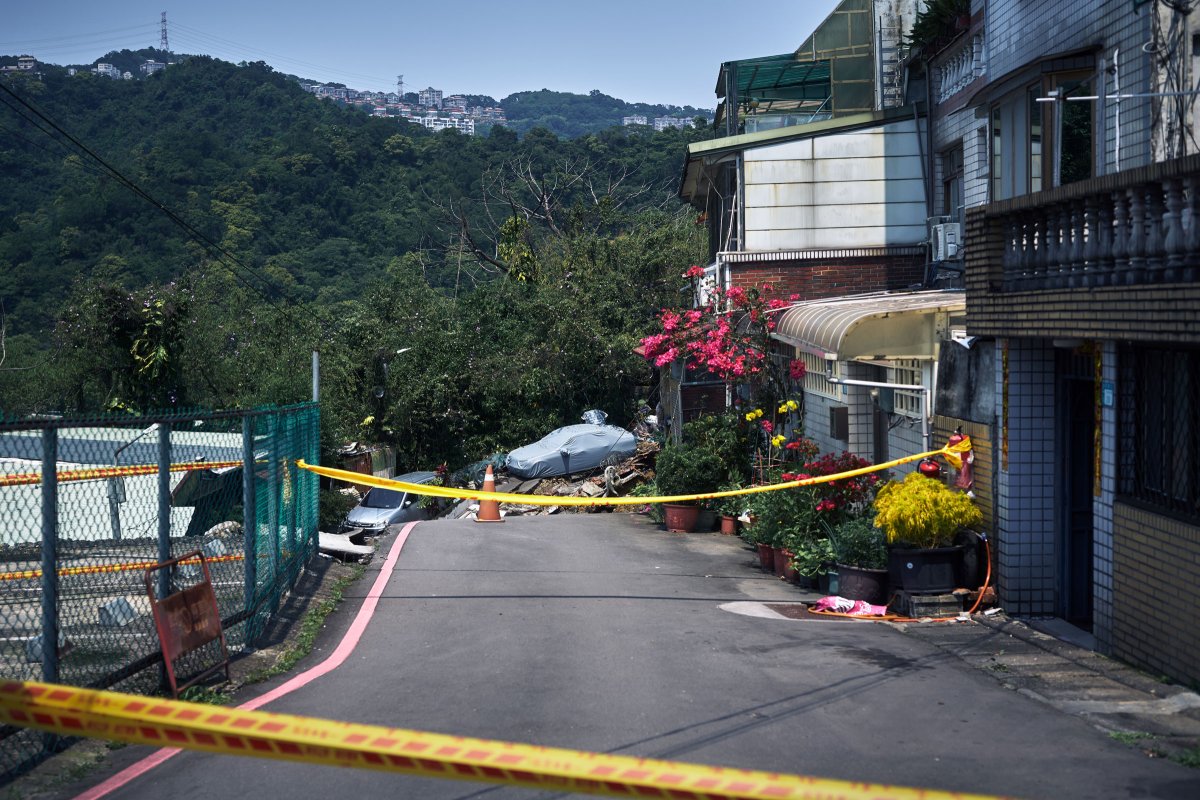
{"points": [[87, 504]]}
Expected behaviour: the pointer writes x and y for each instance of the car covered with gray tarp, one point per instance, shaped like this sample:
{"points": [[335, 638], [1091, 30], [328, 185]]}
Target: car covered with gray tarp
{"points": [[571, 449]]}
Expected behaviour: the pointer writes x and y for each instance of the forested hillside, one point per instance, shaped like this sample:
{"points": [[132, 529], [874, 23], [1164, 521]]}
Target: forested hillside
{"points": [[520, 271], [569, 114]]}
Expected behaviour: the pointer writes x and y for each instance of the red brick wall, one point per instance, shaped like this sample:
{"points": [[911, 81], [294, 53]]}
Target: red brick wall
{"points": [[833, 277]]}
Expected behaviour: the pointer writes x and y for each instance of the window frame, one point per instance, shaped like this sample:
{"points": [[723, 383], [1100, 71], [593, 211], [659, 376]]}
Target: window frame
{"points": [[1159, 430]]}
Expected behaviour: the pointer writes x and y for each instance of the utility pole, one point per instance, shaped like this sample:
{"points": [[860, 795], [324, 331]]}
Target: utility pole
{"points": [[162, 42]]}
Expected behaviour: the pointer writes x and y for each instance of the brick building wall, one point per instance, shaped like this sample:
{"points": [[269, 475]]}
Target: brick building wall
{"points": [[819, 278], [1156, 591]]}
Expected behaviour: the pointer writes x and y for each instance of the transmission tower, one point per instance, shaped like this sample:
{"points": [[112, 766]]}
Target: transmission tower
{"points": [[400, 87], [162, 42]]}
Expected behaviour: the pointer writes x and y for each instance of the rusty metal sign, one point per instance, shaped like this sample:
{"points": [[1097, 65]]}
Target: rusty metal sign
{"points": [[187, 620]]}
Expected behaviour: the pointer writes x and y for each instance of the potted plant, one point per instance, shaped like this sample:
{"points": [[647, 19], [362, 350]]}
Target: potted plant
{"points": [[810, 559], [757, 534], [730, 508], [920, 517], [860, 552], [684, 469]]}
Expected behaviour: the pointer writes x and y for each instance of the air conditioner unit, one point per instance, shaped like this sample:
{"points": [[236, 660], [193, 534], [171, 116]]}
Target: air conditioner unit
{"points": [[946, 240]]}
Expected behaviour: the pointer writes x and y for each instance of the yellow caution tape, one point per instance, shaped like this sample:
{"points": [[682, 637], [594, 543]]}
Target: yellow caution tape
{"points": [[99, 569], [554, 500], [97, 473], [954, 452], [145, 720]]}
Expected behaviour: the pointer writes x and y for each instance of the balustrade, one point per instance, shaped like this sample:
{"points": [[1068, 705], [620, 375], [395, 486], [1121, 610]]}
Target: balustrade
{"points": [[1122, 234]]}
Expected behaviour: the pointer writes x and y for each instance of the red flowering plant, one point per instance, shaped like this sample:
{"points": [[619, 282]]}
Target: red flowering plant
{"points": [[729, 337], [805, 513]]}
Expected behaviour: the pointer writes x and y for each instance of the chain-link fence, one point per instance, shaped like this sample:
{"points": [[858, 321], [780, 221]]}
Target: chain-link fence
{"points": [[87, 505]]}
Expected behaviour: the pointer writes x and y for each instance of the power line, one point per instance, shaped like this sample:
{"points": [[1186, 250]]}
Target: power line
{"points": [[203, 39], [87, 38], [222, 255]]}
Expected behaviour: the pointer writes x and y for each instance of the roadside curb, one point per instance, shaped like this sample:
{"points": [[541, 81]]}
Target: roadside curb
{"points": [[1160, 719]]}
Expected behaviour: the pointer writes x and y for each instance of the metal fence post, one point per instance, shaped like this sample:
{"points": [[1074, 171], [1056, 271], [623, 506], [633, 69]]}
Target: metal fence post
{"points": [[164, 506], [50, 555], [273, 493], [50, 567], [292, 495], [249, 511]]}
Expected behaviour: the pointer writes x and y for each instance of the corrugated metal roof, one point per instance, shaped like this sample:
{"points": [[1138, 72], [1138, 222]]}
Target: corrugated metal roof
{"points": [[781, 77], [871, 326]]}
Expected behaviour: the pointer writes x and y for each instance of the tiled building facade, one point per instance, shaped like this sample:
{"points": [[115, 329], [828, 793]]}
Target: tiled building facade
{"points": [[1083, 271]]}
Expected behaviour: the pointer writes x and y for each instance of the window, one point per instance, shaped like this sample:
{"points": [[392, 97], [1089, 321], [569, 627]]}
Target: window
{"points": [[1075, 130], [906, 402], [952, 183], [1035, 140], [814, 374], [997, 157], [1160, 429]]}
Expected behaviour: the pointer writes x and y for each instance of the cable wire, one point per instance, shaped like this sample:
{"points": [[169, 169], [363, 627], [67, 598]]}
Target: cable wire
{"points": [[235, 265]]}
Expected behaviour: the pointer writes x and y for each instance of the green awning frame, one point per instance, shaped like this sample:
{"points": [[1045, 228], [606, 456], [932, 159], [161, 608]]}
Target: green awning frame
{"points": [[773, 78]]}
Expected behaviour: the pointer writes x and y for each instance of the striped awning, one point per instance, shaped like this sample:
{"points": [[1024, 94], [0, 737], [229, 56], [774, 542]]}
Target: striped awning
{"points": [[873, 327]]}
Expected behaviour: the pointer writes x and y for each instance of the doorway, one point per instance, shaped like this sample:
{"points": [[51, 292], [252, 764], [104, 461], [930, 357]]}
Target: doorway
{"points": [[1076, 475]]}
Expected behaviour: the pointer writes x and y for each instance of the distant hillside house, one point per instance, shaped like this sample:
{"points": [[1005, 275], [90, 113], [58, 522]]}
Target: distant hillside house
{"points": [[151, 66], [461, 124], [662, 123], [107, 70], [635, 119], [430, 98], [24, 64]]}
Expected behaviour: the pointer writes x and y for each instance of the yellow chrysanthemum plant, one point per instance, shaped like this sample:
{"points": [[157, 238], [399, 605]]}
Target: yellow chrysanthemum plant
{"points": [[922, 512]]}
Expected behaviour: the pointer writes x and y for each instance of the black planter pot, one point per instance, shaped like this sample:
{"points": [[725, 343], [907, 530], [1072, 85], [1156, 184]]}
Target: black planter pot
{"points": [[868, 585], [936, 570]]}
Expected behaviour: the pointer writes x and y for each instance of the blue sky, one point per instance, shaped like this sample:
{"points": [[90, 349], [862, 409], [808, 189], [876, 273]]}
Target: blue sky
{"points": [[655, 51]]}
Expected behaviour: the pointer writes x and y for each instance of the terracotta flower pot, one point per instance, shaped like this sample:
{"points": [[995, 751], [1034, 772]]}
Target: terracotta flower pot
{"points": [[779, 560], [680, 518], [766, 557], [789, 570], [728, 525]]}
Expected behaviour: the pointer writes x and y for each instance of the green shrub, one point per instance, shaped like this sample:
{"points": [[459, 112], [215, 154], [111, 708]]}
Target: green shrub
{"points": [[858, 543], [688, 469], [735, 505], [332, 508], [810, 557], [922, 512], [724, 436]]}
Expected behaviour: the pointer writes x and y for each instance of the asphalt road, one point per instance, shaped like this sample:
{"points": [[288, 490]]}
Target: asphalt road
{"points": [[602, 632]]}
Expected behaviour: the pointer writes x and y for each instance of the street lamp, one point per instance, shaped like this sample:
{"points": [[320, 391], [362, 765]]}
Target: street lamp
{"points": [[116, 485]]}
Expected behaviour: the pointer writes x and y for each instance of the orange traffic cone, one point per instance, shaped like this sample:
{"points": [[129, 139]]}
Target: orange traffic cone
{"points": [[489, 510]]}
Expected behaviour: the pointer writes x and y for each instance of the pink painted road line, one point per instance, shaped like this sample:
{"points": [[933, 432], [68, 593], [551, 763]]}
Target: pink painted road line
{"points": [[335, 660]]}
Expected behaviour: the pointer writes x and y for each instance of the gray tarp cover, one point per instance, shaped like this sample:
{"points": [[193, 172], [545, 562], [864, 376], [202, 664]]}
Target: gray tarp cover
{"points": [[575, 448]]}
